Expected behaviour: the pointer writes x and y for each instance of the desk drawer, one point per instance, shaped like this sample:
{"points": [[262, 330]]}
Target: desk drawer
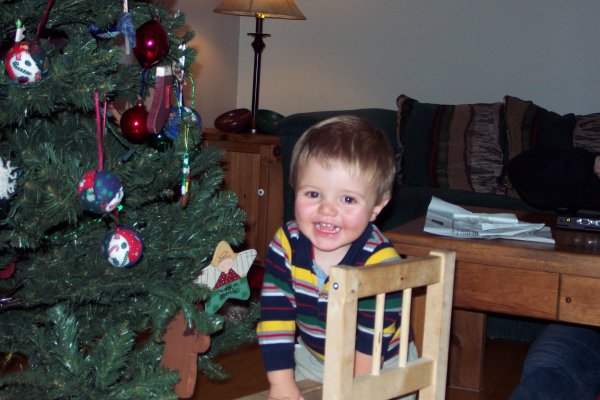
{"points": [[506, 290], [579, 300]]}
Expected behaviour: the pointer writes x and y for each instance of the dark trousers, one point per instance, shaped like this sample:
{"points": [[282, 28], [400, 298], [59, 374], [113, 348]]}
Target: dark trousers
{"points": [[563, 363]]}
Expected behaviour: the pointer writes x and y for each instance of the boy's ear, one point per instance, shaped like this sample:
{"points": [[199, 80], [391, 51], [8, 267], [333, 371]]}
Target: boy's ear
{"points": [[379, 206]]}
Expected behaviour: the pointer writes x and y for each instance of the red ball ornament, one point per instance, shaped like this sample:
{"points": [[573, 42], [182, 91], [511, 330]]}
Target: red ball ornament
{"points": [[151, 43], [133, 123]]}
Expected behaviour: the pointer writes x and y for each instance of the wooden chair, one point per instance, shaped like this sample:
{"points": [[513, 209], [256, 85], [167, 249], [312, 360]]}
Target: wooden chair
{"points": [[427, 374]]}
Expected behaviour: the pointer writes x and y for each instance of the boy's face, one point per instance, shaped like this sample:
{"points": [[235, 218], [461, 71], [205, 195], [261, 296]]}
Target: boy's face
{"points": [[333, 207]]}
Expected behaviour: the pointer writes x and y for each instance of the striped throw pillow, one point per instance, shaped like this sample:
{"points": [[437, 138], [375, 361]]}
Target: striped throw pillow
{"points": [[530, 125], [586, 133], [451, 146]]}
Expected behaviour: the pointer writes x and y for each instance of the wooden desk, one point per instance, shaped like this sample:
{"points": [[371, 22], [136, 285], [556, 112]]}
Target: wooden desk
{"points": [[559, 282]]}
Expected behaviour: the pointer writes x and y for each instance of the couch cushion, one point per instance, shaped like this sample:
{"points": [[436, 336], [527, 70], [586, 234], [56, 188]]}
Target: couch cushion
{"points": [[586, 133], [451, 146], [530, 125]]}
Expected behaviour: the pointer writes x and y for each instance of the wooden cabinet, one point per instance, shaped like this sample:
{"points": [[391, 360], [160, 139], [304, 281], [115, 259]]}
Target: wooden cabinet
{"points": [[253, 170]]}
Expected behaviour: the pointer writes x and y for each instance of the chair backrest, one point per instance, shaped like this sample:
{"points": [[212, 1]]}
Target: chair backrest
{"points": [[427, 374]]}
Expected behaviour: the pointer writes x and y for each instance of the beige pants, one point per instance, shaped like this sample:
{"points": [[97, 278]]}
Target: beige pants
{"points": [[311, 368]]}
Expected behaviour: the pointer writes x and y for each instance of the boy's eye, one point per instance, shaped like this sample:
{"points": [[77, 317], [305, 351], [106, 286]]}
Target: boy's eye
{"points": [[312, 194], [348, 200]]}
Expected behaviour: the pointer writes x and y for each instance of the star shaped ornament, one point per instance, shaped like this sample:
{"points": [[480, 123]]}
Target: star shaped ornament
{"points": [[226, 276]]}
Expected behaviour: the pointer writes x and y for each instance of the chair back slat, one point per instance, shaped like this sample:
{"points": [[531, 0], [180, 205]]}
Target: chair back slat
{"points": [[405, 326], [427, 374], [378, 333]]}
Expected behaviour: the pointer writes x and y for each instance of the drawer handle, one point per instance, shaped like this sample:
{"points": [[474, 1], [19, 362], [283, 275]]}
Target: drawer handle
{"points": [[261, 192], [568, 300]]}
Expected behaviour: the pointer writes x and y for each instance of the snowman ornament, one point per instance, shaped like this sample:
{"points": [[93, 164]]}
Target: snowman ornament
{"points": [[123, 247], [20, 65]]}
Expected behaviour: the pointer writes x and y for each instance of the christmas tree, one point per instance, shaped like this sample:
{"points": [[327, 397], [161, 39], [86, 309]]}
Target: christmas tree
{"points": [[104, 226]]}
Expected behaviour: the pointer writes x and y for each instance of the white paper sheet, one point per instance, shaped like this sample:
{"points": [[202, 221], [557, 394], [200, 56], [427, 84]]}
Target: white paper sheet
{"points": [[447, 219]]}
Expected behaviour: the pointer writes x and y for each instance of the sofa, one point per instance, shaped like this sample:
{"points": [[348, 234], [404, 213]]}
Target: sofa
{"points": [[456, 152]]}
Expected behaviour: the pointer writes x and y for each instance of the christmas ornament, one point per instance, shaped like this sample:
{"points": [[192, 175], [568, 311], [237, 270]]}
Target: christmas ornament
{"points": [[133, 123], [226, 276], [159, 142], [8, 179], [126, 28], [8, 271], [123, 247], [8, 183], [184, 197], [109, 33], [161, 99], [25, 62], [7, 300], [177, 117], [100, 191], [182, 346], [151, 43]]}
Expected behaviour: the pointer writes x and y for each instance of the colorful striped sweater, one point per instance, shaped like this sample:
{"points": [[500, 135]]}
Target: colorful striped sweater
{"points": [[291, 302]]}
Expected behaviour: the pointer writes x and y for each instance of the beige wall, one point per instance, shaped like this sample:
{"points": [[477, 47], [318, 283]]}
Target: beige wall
{"points": [[357, 53], [215, 69]]}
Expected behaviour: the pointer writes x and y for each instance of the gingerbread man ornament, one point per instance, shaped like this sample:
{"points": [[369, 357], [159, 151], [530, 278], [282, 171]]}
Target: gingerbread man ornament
{"points": [[182, 346]]}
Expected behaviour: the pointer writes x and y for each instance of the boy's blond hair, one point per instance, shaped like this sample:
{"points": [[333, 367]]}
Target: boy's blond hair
{"points": [[352, 141]]}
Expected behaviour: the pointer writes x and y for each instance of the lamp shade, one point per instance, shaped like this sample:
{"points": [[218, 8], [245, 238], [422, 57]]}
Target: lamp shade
{"points": [[284, 9]]}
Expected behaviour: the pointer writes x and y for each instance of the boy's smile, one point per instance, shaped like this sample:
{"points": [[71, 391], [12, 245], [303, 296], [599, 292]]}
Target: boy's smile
{"points": [[333, 208]]}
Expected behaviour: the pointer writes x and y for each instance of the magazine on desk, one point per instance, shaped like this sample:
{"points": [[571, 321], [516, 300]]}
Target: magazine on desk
{"points": [[447, 219]]}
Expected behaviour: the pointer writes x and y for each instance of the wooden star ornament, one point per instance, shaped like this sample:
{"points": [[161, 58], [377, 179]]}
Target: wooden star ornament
{"points": [[226, 276]]}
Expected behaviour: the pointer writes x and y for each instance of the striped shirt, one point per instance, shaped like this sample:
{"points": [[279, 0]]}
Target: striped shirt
{"points": [[291, 302]]}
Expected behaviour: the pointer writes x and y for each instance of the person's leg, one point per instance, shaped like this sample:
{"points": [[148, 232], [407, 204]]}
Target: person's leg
{"points": [[308, 367], [562, 363]]}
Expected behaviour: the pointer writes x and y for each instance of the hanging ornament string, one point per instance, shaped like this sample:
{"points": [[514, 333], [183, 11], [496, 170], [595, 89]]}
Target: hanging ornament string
{"points": [[44, 18], [143, 82], [100, 129]]}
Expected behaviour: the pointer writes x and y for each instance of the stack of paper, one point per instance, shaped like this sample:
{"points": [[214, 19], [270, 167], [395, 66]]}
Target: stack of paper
{"points": [[447, 219]]}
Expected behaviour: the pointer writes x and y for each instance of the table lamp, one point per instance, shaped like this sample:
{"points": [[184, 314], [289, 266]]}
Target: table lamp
{"points": [[259, 9]]}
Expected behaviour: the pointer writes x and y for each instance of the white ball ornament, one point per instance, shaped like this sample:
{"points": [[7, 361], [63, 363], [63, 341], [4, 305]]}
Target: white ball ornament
{"points": [[123, 247]]}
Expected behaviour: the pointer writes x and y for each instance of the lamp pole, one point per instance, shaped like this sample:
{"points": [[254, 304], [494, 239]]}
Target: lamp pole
{"points": [[258, 45]]}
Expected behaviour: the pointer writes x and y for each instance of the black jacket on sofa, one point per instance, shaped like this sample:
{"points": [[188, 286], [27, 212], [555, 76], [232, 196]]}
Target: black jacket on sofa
{"points": [[556, 179]]}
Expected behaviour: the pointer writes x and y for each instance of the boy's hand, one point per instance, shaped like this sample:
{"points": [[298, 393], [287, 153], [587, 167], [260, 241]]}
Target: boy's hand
{"points": [[283, 386], [362, 363]]}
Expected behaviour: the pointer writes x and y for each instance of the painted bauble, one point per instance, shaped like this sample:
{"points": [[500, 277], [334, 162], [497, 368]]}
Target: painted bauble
{"points": [[100, 191], [151, 43], [123, 247], [133, 123], [175, 121], [26, 63]]}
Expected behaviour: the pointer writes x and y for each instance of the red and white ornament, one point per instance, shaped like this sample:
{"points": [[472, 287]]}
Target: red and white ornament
{"points": [[20, 64], [123, 247]]}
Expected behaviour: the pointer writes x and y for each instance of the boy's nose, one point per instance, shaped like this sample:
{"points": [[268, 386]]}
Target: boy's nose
{"points": [[327, 208]]}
